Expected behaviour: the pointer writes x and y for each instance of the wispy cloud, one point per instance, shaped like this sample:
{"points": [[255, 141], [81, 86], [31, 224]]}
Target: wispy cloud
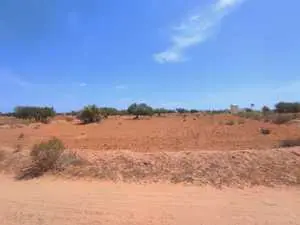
{"points": [[195, 29]]}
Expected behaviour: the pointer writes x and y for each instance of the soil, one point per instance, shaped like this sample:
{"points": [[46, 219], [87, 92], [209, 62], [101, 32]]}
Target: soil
{"points": [[52, 201], [169, 133]]}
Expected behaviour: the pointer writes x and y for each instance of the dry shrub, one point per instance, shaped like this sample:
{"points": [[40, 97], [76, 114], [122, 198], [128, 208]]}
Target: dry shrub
{"points": [[69, 159], [289, 143], [44, 157], [265, 131], [280, 118]]}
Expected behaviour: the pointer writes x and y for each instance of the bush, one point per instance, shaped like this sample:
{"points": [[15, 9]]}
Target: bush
{"points": [[44, 157], [265, 110], [140, 110], [287, 107], [194, 111], [160, 111], [90, 114], [280, 118], [108, 111], [182, 110], [39, 114], [289, 143]]}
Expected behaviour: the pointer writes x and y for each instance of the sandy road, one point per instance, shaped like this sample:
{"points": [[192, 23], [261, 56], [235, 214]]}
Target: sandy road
{"points": [[58, 202]]}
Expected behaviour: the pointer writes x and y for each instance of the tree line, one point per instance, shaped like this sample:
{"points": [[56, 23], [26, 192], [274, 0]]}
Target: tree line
{"points": [[92, 113]]}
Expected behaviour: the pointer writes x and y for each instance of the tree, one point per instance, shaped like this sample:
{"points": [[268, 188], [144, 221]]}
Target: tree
{"points": [[108, 111], [265, 110], [40, 114], [182, 110], [141, 109], [90, 114], [287, 107], [194, 111]]}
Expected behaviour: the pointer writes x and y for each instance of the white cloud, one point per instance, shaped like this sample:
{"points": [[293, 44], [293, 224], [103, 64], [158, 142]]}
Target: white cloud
{"points": [[195, 29]]}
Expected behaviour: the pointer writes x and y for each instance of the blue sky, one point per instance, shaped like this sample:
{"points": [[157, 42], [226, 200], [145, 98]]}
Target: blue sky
{"points": [[196, 54]]}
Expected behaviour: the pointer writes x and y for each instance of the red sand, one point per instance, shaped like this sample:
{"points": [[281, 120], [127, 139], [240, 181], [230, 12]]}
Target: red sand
{"points": [[171, 133]]}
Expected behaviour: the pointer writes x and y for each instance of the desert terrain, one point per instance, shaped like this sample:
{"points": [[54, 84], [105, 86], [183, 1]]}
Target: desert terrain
{"points": [[52, 201], [174, 169], [168, 133]]}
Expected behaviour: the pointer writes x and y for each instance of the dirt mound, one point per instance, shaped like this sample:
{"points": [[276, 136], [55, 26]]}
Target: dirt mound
{"points": [[217, 168], [236, 168]]}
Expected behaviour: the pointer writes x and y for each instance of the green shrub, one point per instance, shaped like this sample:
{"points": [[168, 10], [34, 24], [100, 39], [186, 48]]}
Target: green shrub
{"points": [[194, 111], [108, 111], [39, 114], [265, 110], [141, 109], [90, 114], [287, 107], [44, 157]]}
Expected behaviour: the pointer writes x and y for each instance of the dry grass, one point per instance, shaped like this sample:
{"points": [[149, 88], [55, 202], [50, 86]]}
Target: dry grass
{"points": [[44, 156], [238, 168]]}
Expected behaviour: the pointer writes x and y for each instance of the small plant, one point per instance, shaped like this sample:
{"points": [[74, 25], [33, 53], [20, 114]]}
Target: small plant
{"points": [[90, 114], [44, 157], [265, 131], [289, 143], [21, 136]]}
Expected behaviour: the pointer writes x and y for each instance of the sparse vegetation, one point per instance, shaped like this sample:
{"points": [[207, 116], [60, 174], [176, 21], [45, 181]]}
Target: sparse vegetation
{"points": [[287, 107], [90, 114], [182, 110], [141, 109], [266, 110], [255, 115], [39, 114], [194, 111], [108, 111], [44, 157], [279, 118]]}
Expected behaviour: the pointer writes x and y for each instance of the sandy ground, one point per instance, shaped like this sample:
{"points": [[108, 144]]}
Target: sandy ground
{"points": [[59, 202], [171, 133]]}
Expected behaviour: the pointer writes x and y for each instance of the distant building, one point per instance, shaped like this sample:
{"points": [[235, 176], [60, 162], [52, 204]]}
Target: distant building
{"points": [[234, 109]]}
